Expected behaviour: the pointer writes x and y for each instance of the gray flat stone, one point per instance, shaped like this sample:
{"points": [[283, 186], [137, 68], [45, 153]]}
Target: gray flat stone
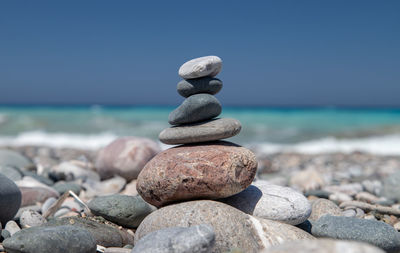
{"points": [[200, 238], [62, 187], [212, 130], [127, 211], [200, 67], [104, 234], [10, 199], [14, 159], [376, 233], [10, 172], [272, 202], [194, 109], [207, 84], [51, 240]]}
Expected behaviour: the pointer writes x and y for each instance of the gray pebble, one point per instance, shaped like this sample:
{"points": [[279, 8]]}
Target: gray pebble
{"points": [[200, 67], [31, 218], [10, 199], [200, 238], [190, 87], [196, 108]]}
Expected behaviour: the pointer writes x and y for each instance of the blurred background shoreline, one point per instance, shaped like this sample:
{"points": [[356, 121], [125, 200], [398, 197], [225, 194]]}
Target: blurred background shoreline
{"points": [[308, 130]]}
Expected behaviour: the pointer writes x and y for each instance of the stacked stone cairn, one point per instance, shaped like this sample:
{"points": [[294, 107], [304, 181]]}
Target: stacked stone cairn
{"points": [[206, 183]]}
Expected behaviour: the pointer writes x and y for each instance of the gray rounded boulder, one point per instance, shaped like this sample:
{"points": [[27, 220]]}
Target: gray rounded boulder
{"points": [[196, 108], [59, 239], [195, 239], [10, 199], [127, 211]]}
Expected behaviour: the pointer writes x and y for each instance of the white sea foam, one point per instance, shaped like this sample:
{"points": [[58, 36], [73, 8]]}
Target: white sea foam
{"points": [[382, 145], [59, 140]]}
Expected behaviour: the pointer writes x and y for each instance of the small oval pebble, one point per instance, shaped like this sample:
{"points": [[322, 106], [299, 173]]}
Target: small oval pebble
{"points": [[322, 207], [31, 218], [200, 67]]}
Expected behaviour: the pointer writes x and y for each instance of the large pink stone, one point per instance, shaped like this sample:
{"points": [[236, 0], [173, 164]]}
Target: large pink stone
{"points": [[201, 171], [126, 157]]}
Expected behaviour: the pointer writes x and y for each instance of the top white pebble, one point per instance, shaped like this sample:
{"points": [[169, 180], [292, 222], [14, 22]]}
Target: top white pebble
{"points": [[201, 67]]}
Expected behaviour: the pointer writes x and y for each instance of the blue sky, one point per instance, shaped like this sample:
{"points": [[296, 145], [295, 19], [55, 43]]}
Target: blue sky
{"points": [[128, 52]]}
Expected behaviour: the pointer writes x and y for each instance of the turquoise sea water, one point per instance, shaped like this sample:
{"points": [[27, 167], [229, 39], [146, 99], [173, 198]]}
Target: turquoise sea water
{"points": [[273, 126]]}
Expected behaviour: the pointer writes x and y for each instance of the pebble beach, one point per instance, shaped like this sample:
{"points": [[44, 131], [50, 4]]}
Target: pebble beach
{"points": [[206, 194]]}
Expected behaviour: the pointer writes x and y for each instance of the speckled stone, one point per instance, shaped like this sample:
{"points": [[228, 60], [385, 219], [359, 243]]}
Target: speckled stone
{"points": [[233, 228], [376, 233], [200, 171], [272, 202], [212, 130], [200, 67], [196, 108], [127, 211], [195, 239], [51, 240], [191, 87], [322, 207]]}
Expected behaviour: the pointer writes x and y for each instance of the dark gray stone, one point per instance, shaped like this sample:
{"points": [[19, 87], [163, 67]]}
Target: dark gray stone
{"points": [[124, 210], [376, 233], [10, 199], [62, 187], [104, 234], [51, 240], [191, 87], [213, 130], [200, 238], [195, 108], [391, 187], [14, 159]]}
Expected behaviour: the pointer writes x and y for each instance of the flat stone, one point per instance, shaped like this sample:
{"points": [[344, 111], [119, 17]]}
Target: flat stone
{"points": [[233, 228], [321, 207], [62, 187], [200, 67], [127, 211], [126, 157], [104, 234], [10, 199], [51, 240], [187, 88], [196, 108], [30, 218], [195, 239], [199, 171], [272, 202], [14, 159], [373, 232], [323, 246], [213, 130]]}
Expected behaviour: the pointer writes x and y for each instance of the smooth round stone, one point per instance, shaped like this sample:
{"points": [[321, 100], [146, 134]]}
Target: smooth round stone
{"points": [[212, 130], [391, 187], [30, 218], [373, 232], [34, 191], [233, 228], [321, 207], [200, 67], [10, 199], [62, 187], [104, 234], [200, 171], [74, 171], [127, 211], [126, 157], [51, 240], [191, 87], [196, 239], [196, 108], [13, 159], [323, 246], [272, 202]]}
